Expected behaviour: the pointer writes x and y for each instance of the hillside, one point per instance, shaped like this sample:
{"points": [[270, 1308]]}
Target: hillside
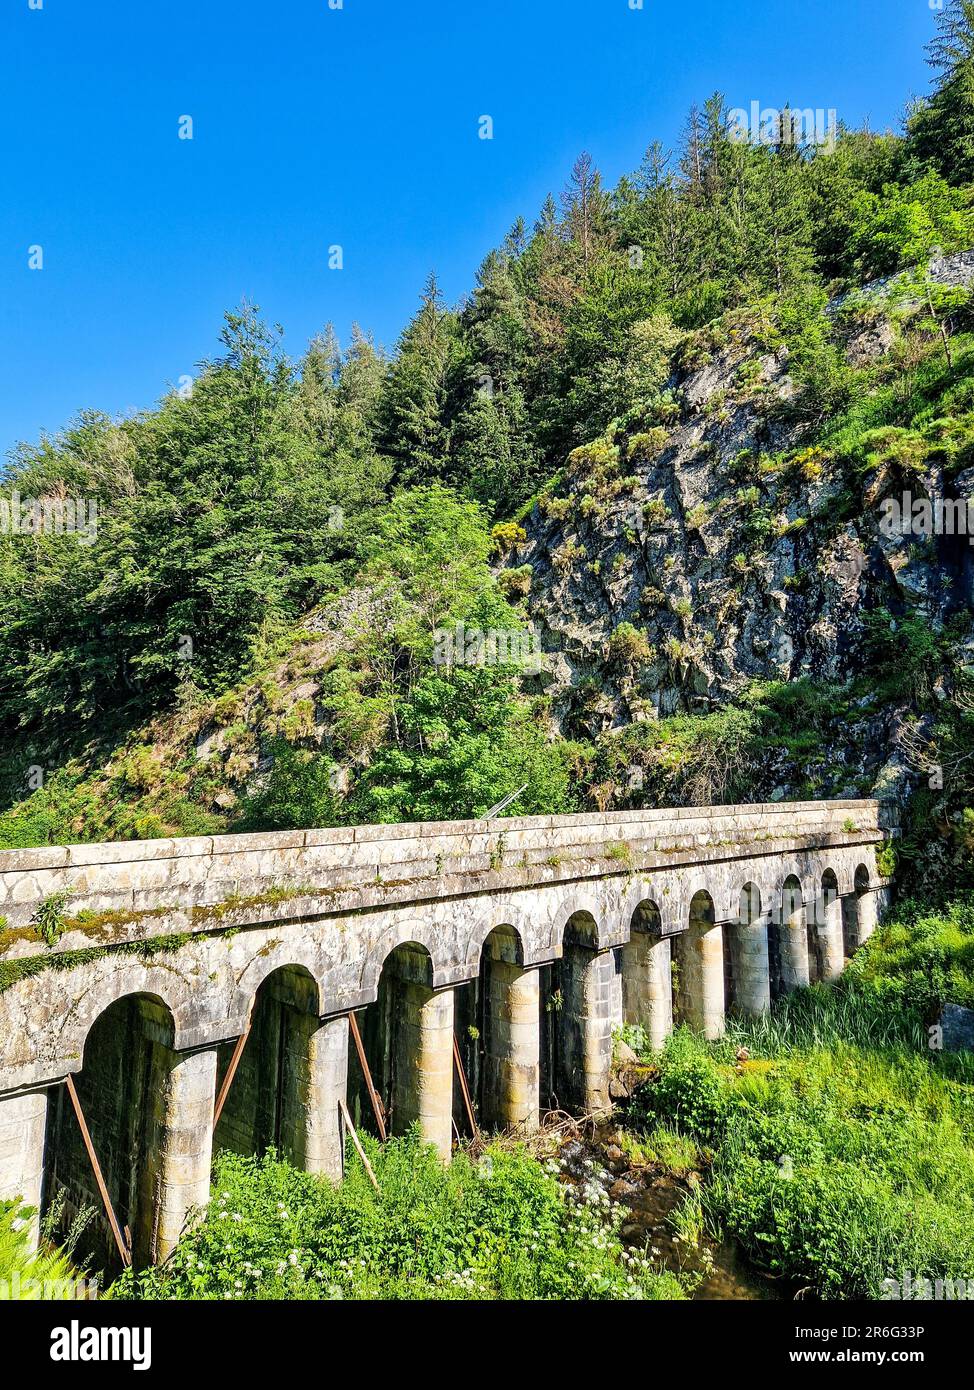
{"points": [[658, 443]]}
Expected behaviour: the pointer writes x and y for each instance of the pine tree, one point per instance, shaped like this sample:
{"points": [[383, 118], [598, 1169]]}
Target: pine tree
{"points": [[493, 454], [414, 429], [941, 129]]}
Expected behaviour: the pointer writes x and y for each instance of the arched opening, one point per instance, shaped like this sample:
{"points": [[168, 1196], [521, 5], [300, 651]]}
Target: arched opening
{"points": [[788, 941], [407, 1036], [827, 959], [127, 1055], [267, 1101], [500, 1044], [699, 970], [581, 996], [864, 906], [646, 984], [747, 938]]}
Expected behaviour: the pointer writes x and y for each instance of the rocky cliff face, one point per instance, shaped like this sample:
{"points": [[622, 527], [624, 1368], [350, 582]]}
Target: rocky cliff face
{"points": [[732, 544]]}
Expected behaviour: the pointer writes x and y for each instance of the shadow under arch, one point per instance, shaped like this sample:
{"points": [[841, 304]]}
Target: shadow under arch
{"points": [[860, 909], [269, 1091], [788, 945], [581, 988], [698, 983], [497, 1014], [407, 1048], [127, 1051], [647, 995]]}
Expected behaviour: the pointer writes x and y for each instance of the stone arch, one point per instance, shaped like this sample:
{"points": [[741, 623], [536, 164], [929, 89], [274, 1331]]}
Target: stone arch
{"points": [[122, 1072], [646, 916], [509, 918], [647, 995], [581, 915], [750, 903], [115, 979], [581, 929], [285, 955], [791, 880], [699, 992], [829, 893], [415, 932]]}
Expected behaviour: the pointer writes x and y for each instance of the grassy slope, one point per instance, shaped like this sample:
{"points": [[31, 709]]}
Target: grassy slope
{"points": [[842, 1146]]}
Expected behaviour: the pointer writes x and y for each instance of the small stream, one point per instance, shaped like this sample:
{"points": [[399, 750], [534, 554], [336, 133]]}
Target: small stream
{"points": [[651, 1196]]}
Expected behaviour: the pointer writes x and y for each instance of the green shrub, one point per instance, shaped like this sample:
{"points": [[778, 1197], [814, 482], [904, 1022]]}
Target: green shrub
{"points": [[500, 1227], [628, 646]]}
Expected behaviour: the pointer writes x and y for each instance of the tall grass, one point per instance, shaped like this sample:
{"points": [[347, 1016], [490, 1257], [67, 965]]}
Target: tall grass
{"points": [[843, 1143]]}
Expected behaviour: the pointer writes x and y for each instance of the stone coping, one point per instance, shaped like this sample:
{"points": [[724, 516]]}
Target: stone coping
{"points": [[130, 918], [196, 846]]}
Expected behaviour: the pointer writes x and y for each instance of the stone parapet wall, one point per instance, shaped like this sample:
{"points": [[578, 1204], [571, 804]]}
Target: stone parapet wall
{"points": [[183, 940], [355, 867]]}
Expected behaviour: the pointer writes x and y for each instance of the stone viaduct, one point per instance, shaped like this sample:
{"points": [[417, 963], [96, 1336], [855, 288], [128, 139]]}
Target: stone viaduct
{"points": [[134, 969]]}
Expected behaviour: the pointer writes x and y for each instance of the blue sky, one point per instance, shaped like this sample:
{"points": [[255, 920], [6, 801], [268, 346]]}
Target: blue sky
{"points": [[355, 126]]}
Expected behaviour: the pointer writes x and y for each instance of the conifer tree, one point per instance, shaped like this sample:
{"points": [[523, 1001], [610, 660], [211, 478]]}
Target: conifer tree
{"points": [[941, 129]]}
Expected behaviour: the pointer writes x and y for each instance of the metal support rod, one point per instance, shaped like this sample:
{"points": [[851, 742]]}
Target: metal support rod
{"points": [[464, 1088], [221, 1099], [363, 1063], [123, 1249], [343, 1108]]}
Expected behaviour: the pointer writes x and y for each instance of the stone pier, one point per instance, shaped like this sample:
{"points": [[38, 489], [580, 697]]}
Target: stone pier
{"points": [[22, 1123], [647, 985], [512, 1060], [701, 973], [591, 1008], [793, 941], [322, 1081], [423, 1087], [183, 1150], [749, 942], [831, 948]]}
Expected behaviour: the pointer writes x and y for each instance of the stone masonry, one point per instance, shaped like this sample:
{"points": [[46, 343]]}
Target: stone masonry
{"points": [[194, 928]]}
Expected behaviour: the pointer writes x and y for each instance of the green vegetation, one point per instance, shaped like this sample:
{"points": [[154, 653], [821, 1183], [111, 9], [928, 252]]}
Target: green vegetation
{"points": [[248, 639], [44, 1274], [499, 1226], [840, 1146]]}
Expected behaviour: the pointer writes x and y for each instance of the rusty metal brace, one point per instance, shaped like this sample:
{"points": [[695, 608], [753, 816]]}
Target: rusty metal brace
{"points": [[221, 1099], [343, 1110], [363, 1063], [123, 1249], [464, 1088]]}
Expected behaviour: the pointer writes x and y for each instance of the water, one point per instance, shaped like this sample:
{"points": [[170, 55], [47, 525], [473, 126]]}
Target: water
{"points": [[650, 1197]]}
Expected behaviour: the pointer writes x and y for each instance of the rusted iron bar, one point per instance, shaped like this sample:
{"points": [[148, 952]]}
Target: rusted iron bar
{"points": [[464, 1088], [374, 1097], [358, 1147], [123, 1249], [221, 1099]]}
